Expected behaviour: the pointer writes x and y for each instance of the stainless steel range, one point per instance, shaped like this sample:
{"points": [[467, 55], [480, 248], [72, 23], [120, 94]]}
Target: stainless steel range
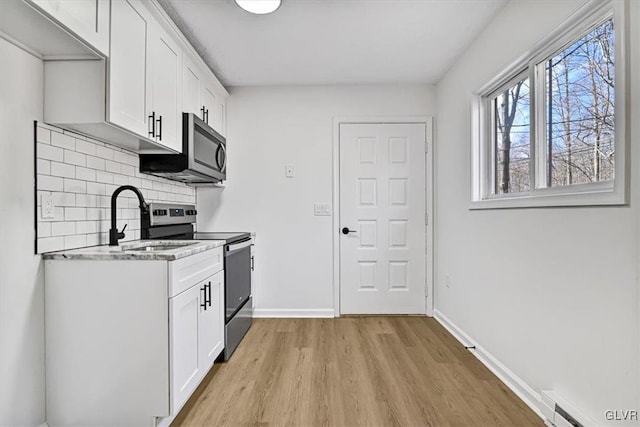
{"points": [[175, 222]]}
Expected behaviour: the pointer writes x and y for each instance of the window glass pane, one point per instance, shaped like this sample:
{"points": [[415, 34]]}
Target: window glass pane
{"points": [[579, 103], [512, 138]]}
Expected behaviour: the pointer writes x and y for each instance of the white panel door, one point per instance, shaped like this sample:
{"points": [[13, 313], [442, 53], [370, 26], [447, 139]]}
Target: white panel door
{"points": [[382, 204], [184, 315]]}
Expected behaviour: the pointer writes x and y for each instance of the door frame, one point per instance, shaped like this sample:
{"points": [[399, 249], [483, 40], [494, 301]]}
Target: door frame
{"points": [[427, 121]]}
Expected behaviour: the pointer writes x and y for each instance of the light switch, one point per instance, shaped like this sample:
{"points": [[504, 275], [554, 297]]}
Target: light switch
{"points": [[322, 209], [48, 208], [289, 171]]}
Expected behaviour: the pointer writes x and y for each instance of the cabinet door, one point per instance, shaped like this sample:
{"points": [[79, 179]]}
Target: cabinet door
{"points": [[191, 87], [184, 317], [128, 82], [209, 104], [211, 331], [165, 66], [88, 19], [221, 116]]}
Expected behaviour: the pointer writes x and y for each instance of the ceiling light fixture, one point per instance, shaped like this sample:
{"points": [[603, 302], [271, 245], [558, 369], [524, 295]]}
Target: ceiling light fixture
{"points": [[259, 7]]}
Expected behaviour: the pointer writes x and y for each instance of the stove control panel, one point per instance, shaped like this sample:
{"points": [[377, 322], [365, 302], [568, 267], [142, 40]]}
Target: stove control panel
{"points": [[171, 213]]}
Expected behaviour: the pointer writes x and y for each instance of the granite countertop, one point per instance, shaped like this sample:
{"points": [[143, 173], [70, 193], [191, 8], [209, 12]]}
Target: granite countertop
{"points": [[127, 250]]}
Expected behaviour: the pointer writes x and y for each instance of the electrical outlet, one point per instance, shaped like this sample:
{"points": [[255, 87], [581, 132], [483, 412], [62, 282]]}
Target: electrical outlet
{"points": [[322, 209], [289, 171], [48, 208]]}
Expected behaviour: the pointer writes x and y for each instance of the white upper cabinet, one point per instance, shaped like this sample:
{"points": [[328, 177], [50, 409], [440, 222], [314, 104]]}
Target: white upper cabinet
{"points": [[191, 87], [208, 100], [135, 95], [202, 95], [164, 64], [87, 19], [129, 94], [144, 76]]}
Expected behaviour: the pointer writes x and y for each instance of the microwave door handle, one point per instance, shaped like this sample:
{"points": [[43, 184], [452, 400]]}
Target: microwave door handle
{"points": [[222, 166]]}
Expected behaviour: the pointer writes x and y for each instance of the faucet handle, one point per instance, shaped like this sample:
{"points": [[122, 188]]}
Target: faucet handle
{"points": [[121, 232]]}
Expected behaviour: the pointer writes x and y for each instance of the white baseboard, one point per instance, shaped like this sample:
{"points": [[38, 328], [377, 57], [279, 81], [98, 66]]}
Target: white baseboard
{"points": [[527, 394], [266, 313]]}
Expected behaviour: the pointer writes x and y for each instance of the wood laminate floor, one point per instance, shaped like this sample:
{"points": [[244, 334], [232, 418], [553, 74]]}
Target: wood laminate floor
{"points": [[351, 371]]}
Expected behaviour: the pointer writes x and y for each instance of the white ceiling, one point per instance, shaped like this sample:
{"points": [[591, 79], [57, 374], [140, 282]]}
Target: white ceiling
{"points": [[308, 42]]}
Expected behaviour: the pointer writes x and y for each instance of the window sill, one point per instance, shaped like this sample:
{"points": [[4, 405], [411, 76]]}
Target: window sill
{"points": [[551, 199]]}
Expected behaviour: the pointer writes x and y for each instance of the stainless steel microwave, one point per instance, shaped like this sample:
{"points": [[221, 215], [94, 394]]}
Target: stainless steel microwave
{"points": [[203, 159]]}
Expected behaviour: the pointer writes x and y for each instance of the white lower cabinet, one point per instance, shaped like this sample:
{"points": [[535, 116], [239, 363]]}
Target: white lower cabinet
{"points": [[128, 341], [196, 336]]}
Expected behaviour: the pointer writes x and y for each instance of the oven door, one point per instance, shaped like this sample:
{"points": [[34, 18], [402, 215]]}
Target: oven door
{"points": [[237, 276], [205, 148]]}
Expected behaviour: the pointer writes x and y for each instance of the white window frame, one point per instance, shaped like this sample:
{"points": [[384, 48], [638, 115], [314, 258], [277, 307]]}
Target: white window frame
{"points": [[615, 192]]}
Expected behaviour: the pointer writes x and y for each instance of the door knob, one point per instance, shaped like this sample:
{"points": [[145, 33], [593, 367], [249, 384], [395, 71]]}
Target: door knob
{"points": [[346, 230]]}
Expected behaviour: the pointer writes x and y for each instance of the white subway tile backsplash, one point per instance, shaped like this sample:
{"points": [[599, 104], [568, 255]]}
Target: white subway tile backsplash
{"points": [[63, 199], [63, 141], [43, 135], [44, 229], [75, 214], [95, 163], [96, 188], [111, 166], [86, 147], [122, 156], [76, 241], [48, 152], [86, 200], [93, 239], [127, 170], [63, 228], [86, 227], [98, 214], [105, 153], [81, 174], [134, 181], [85, 174], [75, 158], [104, 177], [120, 179], [50, 244], [75, 186], [63, 170], [50, 183], [104, 201], [43, 166]]}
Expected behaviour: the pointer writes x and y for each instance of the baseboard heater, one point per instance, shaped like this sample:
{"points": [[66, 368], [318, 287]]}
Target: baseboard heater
{"points": [[560, 413]]}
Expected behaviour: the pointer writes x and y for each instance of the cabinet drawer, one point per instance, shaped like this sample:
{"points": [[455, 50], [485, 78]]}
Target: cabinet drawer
{"points": [[186, 272]]}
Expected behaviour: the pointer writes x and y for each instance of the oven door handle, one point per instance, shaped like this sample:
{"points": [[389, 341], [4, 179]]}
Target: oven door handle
{"points": [[238, 246]]}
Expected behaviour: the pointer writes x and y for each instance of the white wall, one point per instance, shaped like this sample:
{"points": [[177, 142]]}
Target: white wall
{"points": [[21, 283], [269, 128], [551, 293]]}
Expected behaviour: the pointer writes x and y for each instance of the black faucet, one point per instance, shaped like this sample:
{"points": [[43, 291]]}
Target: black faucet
{"points": [[114, 234]]}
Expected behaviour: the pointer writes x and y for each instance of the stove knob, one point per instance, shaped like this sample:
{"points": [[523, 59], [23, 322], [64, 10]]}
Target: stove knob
{"points": [[159, 212], [192, 212]]}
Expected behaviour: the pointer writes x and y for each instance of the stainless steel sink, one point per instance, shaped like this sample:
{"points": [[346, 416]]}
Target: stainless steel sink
{"points": [[156, 247]]}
